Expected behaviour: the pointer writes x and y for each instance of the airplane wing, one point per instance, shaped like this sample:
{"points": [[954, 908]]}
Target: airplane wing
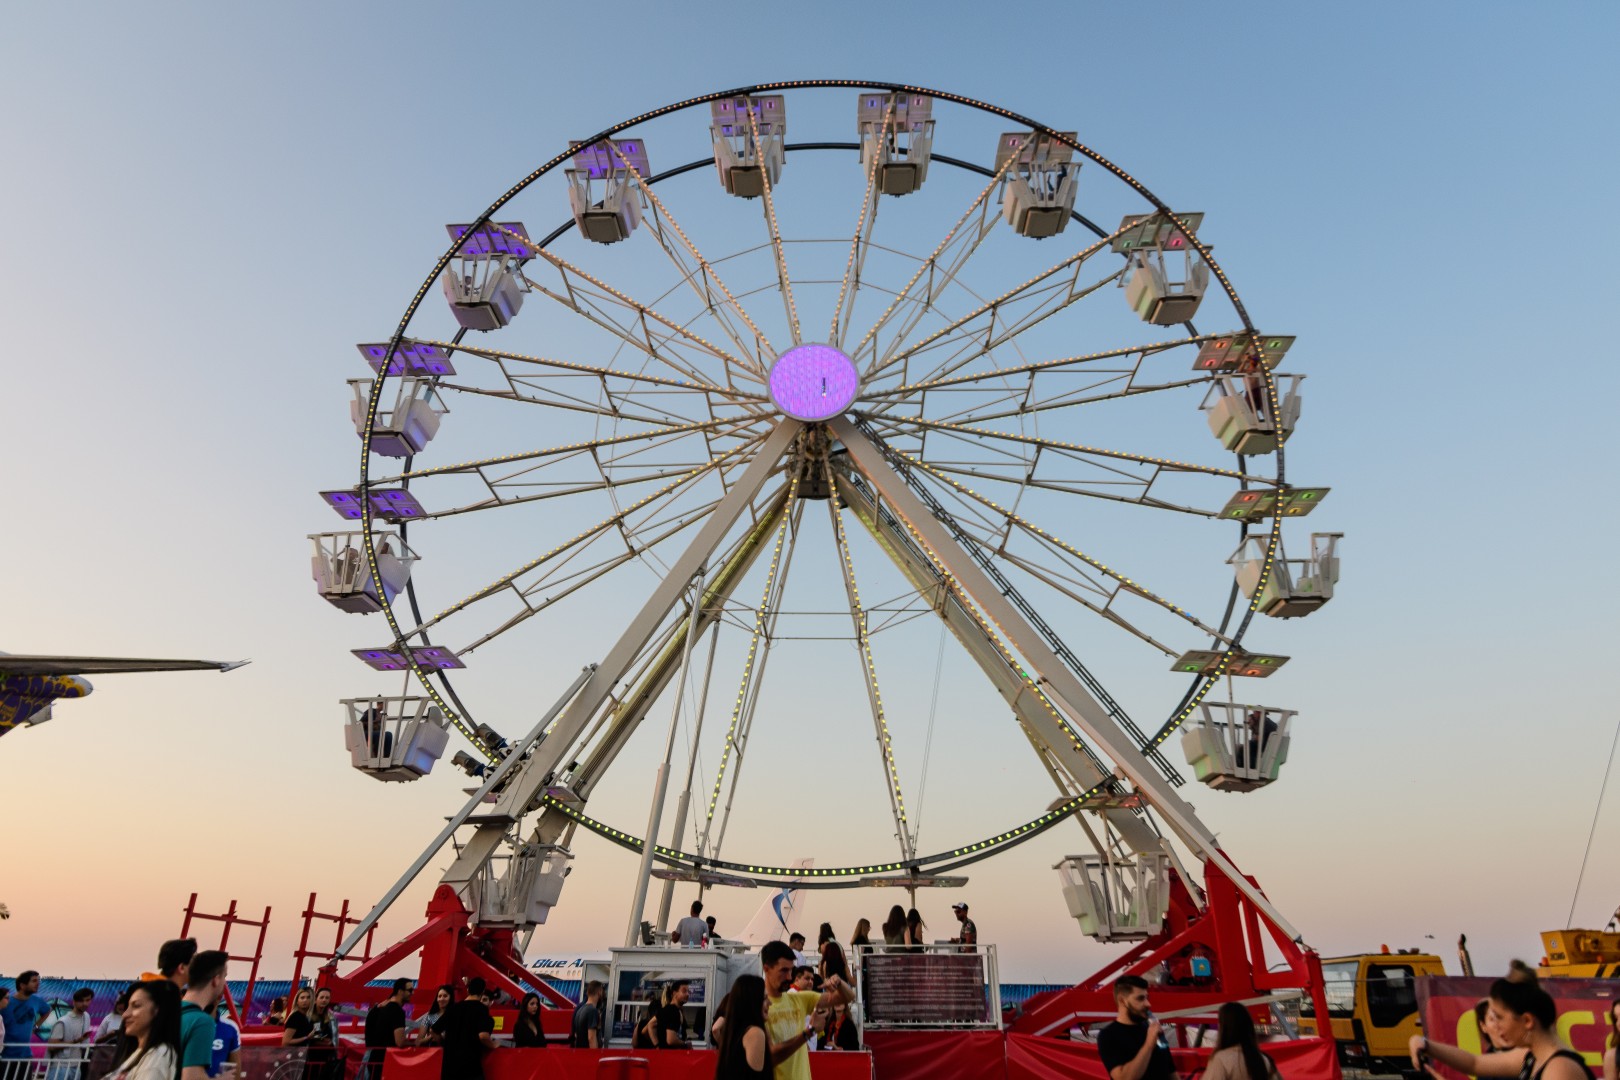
{"points": [[30, 684], [104, 665]]}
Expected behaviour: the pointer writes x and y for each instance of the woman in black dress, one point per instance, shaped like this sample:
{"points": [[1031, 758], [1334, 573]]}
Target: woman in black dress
{"points": [[745, 1050], [528, 1031]]}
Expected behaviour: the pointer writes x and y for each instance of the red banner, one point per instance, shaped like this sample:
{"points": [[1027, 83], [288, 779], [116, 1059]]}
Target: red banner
{"points": [[1034, 1057], [1446, 1003], [564, 1063]]}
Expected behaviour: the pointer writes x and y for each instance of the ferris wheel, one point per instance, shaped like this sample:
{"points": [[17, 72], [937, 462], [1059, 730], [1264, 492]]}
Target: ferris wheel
{"points": [[1006, 383]]}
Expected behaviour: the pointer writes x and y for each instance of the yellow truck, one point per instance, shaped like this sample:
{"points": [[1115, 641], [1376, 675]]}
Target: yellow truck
{"points": [[1372, 1007], [1580, 954]]}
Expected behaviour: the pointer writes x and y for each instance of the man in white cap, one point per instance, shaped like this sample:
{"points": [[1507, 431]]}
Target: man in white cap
{"points": [[970, 933]]}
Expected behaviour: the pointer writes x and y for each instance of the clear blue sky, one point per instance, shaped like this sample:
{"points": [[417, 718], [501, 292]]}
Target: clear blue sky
{"points": [[205, 206]]}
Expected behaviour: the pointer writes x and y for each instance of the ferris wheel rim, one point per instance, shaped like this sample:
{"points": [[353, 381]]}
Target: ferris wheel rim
{"points": [[1201, 684]]}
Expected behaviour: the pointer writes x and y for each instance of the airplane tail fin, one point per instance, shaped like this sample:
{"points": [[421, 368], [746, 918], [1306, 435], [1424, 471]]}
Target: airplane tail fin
{"points": [[780, 914]]}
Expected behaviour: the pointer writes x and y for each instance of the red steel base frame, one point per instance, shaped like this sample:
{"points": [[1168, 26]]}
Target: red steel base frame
{"points": [[452, 951], [1230, 932]]}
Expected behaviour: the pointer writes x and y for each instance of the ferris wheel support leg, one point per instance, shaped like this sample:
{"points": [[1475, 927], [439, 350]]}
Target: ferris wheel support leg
{"points": [[1057, 682], [661, 784], [530, 782]]}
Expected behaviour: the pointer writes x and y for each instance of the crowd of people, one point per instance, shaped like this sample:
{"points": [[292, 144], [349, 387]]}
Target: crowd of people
{"points": [[162, 1027], [168, 1026]]}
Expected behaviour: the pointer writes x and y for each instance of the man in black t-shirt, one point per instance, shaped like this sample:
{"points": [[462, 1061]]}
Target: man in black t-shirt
{"points": [[1133, 1047], [466, 1030], [385, 1028], [587, 1024], [672, 1018]]}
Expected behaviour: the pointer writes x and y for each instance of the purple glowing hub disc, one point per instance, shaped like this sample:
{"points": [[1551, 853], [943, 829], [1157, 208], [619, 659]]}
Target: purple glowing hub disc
{"points": [[813, 382]]}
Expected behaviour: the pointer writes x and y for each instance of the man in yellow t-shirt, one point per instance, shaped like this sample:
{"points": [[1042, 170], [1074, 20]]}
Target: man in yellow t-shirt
{"points": [[788, 1011]]}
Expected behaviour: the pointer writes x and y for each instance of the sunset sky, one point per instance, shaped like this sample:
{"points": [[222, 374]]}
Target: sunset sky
{"points": [[206, 207]]}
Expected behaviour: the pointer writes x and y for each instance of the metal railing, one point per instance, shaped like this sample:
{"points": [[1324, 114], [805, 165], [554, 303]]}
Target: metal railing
{"points": [[57, 1062]]}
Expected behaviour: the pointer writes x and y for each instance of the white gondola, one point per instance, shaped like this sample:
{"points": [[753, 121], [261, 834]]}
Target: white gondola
{"points": [[408, 425], [395, 738], [485, 293], [1166, 293], [746, 164], [525, 889], [601, 191], [897, 132], [1240, 416], [1122, 899], [1295, 586], [1233, 747], [1039, 186], [345, 581]]}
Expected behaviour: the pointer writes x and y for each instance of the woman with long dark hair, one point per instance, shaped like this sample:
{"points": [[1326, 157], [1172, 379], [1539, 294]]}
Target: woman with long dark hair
{"points": [[745, 1050], [528, 1031], [833, 961], [915, 927], [1237, 1048], [894, 927], [1523, 1020], [150, 1046], [422, 1026]]}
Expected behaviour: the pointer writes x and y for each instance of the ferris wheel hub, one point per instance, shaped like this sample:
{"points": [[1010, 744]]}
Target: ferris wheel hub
{"points": [[813, 382]]}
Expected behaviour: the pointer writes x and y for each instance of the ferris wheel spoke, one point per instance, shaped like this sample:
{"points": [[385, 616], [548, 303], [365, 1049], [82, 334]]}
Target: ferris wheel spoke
{"points": [[864, 224], [1076, 449], [961, 243], [1031, 403], [776, 240], [617, 394], [706, 270], [604, 373], [1039, 366], [612, 521], [1010, 519], [576, 297], [1044, 281], [1023, 468], [560, 586], [753, 674], [964, 342], [664, 434], [874, 696], [549, 394], [1087, 594], [1091, 489]]}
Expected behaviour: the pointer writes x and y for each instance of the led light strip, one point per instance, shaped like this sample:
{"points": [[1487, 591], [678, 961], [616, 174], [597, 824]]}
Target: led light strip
{"points": [[753, 646], [760, 341], [776, 236], [840, 876]]}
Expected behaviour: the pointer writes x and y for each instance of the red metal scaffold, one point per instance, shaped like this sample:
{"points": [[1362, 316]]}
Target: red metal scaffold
{"points": [[231, 919]]}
